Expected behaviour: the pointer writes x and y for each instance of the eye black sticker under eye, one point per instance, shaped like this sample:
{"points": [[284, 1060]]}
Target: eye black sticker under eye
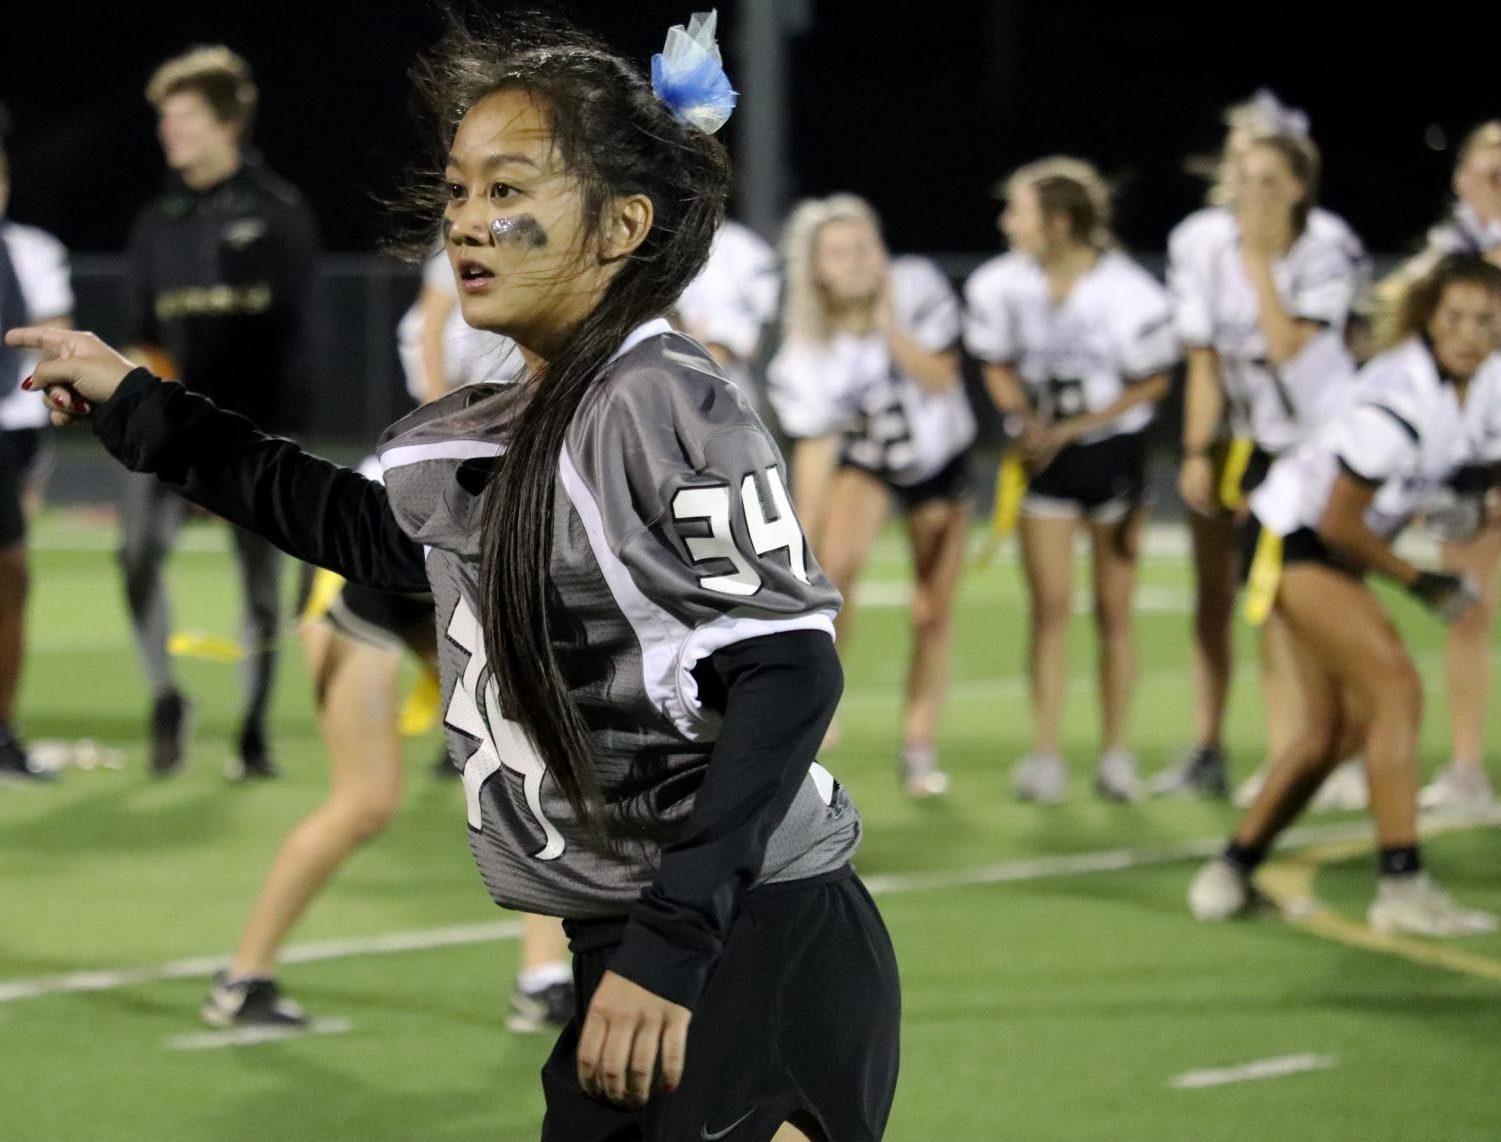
{"points": [[519, 230]]}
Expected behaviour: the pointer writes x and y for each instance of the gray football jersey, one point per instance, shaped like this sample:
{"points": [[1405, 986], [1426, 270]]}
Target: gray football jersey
{"points": [[673, 537]]}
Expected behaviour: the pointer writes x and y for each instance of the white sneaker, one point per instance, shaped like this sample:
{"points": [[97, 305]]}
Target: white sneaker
{"points": [[921, 777], [1115, 778], [1221, 891], [1457, 786], [1414, 904], [1344, 790], [1040, 778], [1248, 790]]}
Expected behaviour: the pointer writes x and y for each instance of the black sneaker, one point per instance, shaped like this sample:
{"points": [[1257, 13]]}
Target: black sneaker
{"points": [[250, 1003], [15, 765], [171, 716], [533, 1011], [1201, 774], [252, 759]]}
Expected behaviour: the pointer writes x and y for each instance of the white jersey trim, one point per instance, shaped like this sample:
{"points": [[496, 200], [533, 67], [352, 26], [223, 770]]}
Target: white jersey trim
{"points": [[409, 454]]}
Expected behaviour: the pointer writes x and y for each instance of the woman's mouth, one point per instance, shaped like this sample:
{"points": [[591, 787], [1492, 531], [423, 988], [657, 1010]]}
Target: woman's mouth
{"points": [[474, 278]]}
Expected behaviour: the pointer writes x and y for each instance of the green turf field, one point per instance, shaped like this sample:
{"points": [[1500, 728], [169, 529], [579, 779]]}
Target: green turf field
{"points": [[1042, 1001]]}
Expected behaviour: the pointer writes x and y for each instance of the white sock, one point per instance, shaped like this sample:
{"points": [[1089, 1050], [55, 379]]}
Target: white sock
{"points": [[534, 979]]}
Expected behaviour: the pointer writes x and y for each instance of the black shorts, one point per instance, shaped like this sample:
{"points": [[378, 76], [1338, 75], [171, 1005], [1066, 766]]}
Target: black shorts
{"points": [[19, 448], [1301, 546], [383, 619], [1102, 482], [801, 1017], [951, 482]]}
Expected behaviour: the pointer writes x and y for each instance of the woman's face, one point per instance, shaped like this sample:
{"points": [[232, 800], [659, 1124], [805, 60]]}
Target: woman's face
{"points": [[514, 226], [1478, 183], [1264, 181], [191, 134], [1023, 222], [849, 261], [1465, 328]]}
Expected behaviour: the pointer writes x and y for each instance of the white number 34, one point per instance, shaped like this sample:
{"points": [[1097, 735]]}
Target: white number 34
{"points": [[711, 505]]}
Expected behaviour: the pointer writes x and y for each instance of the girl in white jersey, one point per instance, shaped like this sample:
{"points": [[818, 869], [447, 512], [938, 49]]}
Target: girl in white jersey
{"points": [[1263, 288], [867, 383], [1076, 341], [1327, 513], [1473, 227]]}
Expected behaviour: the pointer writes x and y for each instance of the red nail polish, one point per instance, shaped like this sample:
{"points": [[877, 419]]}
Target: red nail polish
{"points": [[26, 384]]}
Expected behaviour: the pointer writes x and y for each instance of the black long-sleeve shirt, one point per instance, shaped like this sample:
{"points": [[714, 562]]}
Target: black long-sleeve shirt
{"points": [[221, 279], [741, 809]]}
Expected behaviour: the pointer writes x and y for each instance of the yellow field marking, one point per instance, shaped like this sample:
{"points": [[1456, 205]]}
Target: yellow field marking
{"points": [[1289, 882]]}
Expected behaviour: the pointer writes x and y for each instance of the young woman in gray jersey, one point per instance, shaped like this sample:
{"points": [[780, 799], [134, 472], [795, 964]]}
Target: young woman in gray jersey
{"points": [[1077, 343], [1473, 227], [867, 382], [636, 648], [1424, 410], [1217, 440]]}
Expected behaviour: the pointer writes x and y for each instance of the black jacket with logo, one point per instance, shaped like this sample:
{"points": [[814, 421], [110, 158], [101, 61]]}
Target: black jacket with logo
{"points": [[220, 279]]}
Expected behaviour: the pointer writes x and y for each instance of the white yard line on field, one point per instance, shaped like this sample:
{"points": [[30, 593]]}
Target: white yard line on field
{"points": [[1249, 1072], [880, 884], [250, 1036]]}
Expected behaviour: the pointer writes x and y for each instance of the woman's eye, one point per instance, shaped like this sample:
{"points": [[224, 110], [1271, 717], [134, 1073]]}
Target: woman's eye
{"points": [[502, 190], [455, 192]]}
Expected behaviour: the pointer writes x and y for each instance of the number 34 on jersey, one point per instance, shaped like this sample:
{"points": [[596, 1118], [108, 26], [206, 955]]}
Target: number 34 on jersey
{"points": [[711, 507]]}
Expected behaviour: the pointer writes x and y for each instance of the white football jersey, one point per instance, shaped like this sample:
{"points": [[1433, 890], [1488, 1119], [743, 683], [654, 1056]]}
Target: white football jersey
{"points": [[1321, 279], [469, 355], [1401, 427], [1115, 327], [1463, 232], [41, 263], [734, 295], [850, 385]]}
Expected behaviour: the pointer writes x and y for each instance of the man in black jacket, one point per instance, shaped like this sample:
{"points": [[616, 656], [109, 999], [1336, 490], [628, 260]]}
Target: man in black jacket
{"points": [[220, 266]]}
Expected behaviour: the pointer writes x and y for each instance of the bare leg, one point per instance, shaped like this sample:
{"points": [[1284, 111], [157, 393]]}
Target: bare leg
{"points": [[1467, 654], [1279, 684], [357, 684], [857, 507], [937, 532], [543, 943], [14, 587], [1214, 555], [1047, 544], [1344, 641], [1115, 549]]}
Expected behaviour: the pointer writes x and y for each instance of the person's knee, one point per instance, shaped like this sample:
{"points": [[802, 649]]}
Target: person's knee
{"points": [[1051, 610], [366, 816], [15, 575]]}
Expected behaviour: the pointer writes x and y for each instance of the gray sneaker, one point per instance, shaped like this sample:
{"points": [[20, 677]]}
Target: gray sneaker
{"points": [[1202, 773], [1040, 778], [1414, 904], [1115, 778], [1458, 787]]}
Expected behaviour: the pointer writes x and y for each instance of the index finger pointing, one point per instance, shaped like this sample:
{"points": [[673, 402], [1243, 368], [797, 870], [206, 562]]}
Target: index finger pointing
{"points": [[48, 340]]}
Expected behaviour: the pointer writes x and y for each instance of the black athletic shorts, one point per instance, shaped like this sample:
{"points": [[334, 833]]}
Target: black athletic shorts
{"points": [[800, 1021], [1301, 546], [1102, 482], [383, 619], [1258, 467], [19, 448], [951, 482]]}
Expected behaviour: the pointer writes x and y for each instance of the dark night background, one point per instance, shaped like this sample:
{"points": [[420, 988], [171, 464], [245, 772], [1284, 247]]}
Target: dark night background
{"points": [[919, 107]]}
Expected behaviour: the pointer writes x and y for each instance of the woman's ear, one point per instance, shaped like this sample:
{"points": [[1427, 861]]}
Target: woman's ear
{"points": [[627, 224]]}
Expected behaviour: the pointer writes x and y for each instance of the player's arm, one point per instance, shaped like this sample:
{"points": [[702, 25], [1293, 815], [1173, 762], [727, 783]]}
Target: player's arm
{"points": [[936, 371], [1286, 333], [1343, 526], [1146, 391], [310, 508], [1203, 411]]}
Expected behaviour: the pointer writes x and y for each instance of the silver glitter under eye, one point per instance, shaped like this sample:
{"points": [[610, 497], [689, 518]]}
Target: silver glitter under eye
{"points": [[519, 230]]}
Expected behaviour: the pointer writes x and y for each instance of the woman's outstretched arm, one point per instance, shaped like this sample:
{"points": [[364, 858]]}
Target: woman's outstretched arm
{"points": [[310, 508]]}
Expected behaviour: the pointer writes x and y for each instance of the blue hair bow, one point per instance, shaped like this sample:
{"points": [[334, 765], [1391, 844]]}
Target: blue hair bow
{"points": [[688, 75]]}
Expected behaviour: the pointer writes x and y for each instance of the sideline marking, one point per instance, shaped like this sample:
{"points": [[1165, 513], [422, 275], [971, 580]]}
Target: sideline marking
{"points": [[1350, 838], [1249, 1072], [251, 1036], [1289, 882]]}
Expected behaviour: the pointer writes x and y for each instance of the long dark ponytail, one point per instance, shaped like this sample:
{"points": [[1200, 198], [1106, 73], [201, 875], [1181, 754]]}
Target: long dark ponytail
{"points": [[615, 139]]}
